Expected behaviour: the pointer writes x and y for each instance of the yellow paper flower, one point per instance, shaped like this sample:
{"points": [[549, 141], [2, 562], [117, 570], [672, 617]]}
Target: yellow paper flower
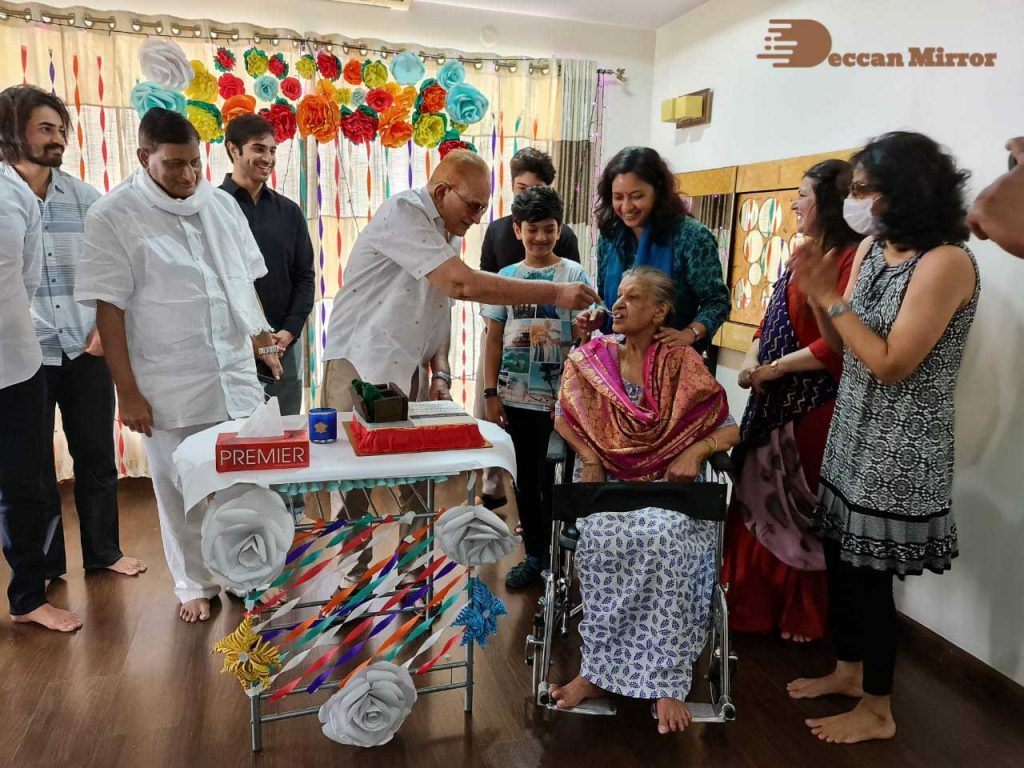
{"points": [[306, 66], [429, 131], [459, 127], [375, 74], [343, 96], [326, 88], [256, 62], [204, 85], [207, 125], [248, 656]]}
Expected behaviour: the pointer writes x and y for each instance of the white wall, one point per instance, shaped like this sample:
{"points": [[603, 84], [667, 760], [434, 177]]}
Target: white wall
{"points": [[448, 27], [765, 113]]}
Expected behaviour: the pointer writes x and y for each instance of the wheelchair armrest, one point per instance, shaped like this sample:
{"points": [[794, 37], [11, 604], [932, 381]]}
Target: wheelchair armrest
{"points": [[556, 448], [721, 462]]}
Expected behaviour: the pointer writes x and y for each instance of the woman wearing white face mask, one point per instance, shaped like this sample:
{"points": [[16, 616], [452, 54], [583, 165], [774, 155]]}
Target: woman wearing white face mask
{"points": [[885, 489]]}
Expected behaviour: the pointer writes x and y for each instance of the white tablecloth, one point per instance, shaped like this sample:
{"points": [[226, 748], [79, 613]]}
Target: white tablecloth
{"points": [[195, 459]]}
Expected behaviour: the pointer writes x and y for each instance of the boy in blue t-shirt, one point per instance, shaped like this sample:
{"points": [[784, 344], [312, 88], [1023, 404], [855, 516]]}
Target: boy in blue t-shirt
{"points": [[525, 349]]}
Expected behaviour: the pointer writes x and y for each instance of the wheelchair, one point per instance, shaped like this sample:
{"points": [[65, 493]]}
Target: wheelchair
{"points": [[571, 501]]}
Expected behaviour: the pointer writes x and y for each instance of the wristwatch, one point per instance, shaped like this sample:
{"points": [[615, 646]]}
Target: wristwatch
{"points": [[839, 308], [261, 351], [445, 377], [490, 392], [692, 328]]}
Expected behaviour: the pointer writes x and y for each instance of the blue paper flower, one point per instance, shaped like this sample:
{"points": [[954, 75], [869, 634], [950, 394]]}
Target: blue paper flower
{"points": [[480, 617], [358, 97], [451, 74], [145, 96], [465, 104], [407, 68], [266, 88]]}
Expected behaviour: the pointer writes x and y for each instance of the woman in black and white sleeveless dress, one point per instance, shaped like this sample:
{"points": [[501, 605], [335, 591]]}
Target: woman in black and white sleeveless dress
{"points": [[886, 482]]}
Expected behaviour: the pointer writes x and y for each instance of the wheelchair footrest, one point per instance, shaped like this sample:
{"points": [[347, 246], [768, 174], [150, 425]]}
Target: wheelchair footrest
{"points": [[704, 712], [588, 707]]}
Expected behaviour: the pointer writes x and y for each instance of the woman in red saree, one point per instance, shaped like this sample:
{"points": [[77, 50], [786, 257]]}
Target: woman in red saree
{"points": [[774, 567], [636, 410]]}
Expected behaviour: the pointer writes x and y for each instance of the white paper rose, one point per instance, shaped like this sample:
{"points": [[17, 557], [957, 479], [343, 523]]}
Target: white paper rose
{"points": [[474, 536], [246, 535], [371, 707], [165, 63]]}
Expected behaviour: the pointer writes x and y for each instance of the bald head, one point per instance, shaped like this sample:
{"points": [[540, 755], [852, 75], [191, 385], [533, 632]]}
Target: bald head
{"points": [[458, 166], [460, 187]]}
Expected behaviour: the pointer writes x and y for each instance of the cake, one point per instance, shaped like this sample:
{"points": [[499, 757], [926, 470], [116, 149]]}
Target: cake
{"points": [[437, 425]]}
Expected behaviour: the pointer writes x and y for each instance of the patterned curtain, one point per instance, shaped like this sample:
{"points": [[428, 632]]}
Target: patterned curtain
{"points": [[577, 150], [338, 185]]}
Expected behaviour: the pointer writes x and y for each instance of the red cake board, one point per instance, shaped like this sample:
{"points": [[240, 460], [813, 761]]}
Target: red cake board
{"points": [[460, 438]]}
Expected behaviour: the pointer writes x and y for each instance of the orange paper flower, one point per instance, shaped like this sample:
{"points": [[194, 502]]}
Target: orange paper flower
{"points": [[404, 97], [395, 129], [353, 72], [433, 99], [243, 104], [318, 116]]}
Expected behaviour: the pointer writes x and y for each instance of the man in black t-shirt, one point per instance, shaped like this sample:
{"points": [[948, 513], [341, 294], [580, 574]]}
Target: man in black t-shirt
{"points": [[529, 168]]}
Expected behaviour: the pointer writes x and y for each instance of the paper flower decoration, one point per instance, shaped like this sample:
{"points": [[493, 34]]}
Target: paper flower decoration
{"points": [[375, 74], [360, 126], [428, 131], [147, 95], [474, 535], [404, 96], [450, 144], [407, 68], [242, 104], [206, 119], [224, 60], [458, 127], [465, 104], [353, 72], [480, 616], [266, 88], [329, 65], [203, 87], [358, 97], [343, 96], [164, 63], [248, 656], [228, 85], [451, 73], [282, 118], [371, 707], [317, 116], [306, 66], [291, 88], [256, 62], [379, 99], [431, 98], [277, 66], [395, 133], [246, 535]]}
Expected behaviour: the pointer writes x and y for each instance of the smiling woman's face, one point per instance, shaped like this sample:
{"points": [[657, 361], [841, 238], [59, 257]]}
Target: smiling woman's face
{"points": [[632, 199]]}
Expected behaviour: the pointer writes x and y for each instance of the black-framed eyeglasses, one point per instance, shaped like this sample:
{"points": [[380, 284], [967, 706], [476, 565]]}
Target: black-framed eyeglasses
{"points": [[861, 189], [474, 209]]}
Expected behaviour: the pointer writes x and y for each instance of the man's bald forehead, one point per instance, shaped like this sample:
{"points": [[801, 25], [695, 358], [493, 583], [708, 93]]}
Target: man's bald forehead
{"points": [[459, 165]]}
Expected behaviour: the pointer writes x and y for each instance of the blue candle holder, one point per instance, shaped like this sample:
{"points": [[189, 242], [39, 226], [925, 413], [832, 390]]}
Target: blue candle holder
{"points": [[323, 425]]}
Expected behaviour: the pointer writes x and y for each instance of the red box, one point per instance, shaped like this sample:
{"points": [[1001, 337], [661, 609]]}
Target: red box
{"points": [[237, 454]]}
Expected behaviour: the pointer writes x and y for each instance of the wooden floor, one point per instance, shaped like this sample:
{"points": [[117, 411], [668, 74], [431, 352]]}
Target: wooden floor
{"points": [[137, 687]]}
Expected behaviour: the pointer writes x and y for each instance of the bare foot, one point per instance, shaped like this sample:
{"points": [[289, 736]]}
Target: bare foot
{"points": [[571, 694], [673, 716], [870, 719], [50, 617], [796, 638], [129, 566], [846, 680], [195, 610]]}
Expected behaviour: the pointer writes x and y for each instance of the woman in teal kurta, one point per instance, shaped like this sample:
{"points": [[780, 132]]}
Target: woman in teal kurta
{"points": [[643, 221]]}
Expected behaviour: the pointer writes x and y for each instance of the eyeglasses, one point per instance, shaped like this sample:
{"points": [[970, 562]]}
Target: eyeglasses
{"points": [[861, 189], [474, 209]]}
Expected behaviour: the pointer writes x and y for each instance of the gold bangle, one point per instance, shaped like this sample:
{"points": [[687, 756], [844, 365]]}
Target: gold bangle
{"points": [[586, 463], [714, 443]]}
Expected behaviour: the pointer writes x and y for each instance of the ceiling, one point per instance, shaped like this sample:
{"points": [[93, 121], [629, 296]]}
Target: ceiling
{"points": [[640, 14]]}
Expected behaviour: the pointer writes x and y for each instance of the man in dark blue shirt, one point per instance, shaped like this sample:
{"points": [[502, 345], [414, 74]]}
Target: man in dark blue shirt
{"points": [[280, 229]]}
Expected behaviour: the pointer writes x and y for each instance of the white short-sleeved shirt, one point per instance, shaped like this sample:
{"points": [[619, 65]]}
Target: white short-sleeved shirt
{"points": [[190, 360], [388, 319], [21, 261]]}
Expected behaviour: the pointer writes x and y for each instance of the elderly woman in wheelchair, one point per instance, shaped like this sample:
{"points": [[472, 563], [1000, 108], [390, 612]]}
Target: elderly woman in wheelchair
{"points": [[636, 410]]}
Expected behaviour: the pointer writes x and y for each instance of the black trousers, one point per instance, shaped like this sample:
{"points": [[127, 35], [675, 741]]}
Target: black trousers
{"points": [[535, 479], [85, 393], [25, 452], [862, 615]]}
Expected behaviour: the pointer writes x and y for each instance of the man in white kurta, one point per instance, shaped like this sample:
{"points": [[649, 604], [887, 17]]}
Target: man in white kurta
{"points": [[169, 262]]}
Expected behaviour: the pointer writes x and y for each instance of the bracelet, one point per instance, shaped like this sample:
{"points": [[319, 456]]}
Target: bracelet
{"points": [[266, 351], [445, 377], [594, 463], [714, 443], [490, 392], [692, 328]]}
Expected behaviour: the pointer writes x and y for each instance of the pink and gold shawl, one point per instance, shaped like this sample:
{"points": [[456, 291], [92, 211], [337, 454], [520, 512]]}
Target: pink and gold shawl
{"points": [[682, 403]]}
